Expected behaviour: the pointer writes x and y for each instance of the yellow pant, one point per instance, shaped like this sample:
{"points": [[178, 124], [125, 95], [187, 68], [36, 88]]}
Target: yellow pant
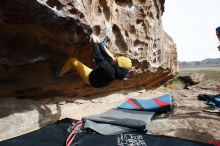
{"points": [[82, 69]]}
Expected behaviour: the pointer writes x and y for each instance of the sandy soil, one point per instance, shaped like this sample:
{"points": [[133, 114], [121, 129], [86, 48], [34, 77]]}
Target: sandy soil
{"points": [[19, 116]]}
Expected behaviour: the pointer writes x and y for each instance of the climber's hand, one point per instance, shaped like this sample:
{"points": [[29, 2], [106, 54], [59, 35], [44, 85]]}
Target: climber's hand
{"points": [[95, 39]]}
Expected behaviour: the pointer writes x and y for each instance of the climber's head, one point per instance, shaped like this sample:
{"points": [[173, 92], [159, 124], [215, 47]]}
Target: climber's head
{"points": [[218, 31], [124, 62], [217, 28]]}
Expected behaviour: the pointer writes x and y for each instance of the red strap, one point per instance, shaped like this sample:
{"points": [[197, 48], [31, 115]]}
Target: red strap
{"points": [[133, 104], [215, 142], [72, 135], [160, 102]]}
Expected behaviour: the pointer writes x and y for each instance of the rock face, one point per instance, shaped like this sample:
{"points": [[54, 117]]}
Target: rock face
{"points": [[36, 37]]}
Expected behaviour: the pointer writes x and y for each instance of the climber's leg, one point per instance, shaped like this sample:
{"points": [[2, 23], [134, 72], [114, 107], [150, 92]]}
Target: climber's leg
{"points": [[82, 69], [67, 67]]}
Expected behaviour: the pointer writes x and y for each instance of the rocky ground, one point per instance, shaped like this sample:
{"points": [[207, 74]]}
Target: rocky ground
{"points": [[188, 120], [18, 116]]}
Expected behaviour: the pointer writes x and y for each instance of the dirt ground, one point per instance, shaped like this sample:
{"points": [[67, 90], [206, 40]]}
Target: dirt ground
{"points": [[19, 116], [188, 119]]}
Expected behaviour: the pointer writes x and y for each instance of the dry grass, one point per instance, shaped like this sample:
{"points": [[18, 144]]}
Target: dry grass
{"points": [[211, 73]]}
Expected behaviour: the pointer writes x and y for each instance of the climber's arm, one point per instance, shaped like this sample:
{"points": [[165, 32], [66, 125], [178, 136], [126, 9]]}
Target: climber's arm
{"points": [[95, 40], [109, 53]]}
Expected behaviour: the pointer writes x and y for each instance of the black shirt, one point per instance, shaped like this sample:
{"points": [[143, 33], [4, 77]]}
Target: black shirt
{"points": [[102, 76], [98, 78], [106, 71]]}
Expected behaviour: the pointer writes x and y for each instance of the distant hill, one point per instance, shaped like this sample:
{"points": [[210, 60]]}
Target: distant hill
{"points": [[214, 62]]}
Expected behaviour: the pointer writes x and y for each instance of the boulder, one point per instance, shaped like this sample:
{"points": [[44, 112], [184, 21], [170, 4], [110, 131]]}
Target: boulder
{"points": [[197, 77], [37, 36], [193, 78]]}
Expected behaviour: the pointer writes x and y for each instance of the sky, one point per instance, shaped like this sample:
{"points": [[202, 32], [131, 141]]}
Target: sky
{"points": [[191, 24]]}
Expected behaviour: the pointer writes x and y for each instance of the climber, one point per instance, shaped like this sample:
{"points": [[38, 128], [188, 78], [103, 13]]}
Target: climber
{"points": [[108, 67], [218, 35]]}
